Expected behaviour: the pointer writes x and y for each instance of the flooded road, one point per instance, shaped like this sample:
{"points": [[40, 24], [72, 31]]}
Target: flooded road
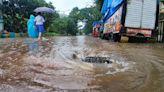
{"points": [[56, 65]]}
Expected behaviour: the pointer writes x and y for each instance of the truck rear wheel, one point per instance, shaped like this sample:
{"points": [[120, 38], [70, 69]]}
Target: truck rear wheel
{"points": [[101, 35], [117, 37], [138, 38], [107, 36]]}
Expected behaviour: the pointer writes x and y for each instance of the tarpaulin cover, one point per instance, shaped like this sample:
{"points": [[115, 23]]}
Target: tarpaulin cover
{"points": [[106, 6], [97, 22], [115, 5]]}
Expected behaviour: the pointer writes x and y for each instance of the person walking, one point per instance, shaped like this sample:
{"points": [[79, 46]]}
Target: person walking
{"points": [[31, 27], [39, 23]]}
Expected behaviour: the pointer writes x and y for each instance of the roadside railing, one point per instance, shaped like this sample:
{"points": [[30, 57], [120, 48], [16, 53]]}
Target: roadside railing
{"points": [[160, 34]]}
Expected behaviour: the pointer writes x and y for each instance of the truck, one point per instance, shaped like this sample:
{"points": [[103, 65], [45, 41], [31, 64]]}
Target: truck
{"points": [[130, 18]]}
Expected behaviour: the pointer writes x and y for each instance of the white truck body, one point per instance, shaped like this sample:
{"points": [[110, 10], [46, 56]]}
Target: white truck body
{"points": [[140, 18]]}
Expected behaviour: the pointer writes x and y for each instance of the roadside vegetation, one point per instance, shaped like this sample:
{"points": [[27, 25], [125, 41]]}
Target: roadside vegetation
{"points": [[17, 12]]}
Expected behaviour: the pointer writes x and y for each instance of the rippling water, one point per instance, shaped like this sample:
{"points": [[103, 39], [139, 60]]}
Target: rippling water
{"points": [[55, 65]]}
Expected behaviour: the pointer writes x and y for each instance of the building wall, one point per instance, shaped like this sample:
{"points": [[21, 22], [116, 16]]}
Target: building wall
{"points": [[162, 7], [161, 10], [1, 19]]}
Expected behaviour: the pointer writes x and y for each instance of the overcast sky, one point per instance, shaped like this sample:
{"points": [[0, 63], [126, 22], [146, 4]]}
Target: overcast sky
{"points": [[65, 6]]}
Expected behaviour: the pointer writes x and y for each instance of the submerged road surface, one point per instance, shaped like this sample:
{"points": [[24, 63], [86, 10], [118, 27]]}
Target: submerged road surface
{"points": [[56, 65]]}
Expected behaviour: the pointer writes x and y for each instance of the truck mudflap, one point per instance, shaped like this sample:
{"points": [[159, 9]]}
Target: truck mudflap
{"points": [[136, 31]]}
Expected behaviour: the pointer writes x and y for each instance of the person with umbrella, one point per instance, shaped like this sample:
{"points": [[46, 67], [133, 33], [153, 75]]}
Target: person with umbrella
{"points": [[39, 23], [39, 20]]}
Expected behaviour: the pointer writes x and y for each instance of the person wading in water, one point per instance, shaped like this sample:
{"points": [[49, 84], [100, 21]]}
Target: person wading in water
{"points": [[39, 23]]}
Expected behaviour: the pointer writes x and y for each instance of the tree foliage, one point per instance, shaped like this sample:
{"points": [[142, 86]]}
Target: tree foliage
{"points": [[16, 13], [69, 24], [88, 15], [99, 3]]}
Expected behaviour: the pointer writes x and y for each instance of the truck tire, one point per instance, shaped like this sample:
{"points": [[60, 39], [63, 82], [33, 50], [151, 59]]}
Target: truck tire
{"points": [[109, 37], [101, 35], [106, 36], [131, 39], [139, 38], [117, 37]]}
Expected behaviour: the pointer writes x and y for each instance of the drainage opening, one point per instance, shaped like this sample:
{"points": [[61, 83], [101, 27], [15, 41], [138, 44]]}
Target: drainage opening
{"points": [[98, 60]]}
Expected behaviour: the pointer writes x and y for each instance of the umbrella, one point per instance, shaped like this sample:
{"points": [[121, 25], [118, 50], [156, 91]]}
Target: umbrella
{"points": [[44, 10]]}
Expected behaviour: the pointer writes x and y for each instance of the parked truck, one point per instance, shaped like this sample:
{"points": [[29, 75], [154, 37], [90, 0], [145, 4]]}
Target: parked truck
{"points": [[131, 18]]}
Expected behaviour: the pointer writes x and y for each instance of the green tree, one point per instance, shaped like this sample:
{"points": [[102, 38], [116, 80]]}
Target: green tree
{"points": [[99, 3], [88, 15], [59, 26], [72, 27], [16, 13], [73, 21], [69, 25]]}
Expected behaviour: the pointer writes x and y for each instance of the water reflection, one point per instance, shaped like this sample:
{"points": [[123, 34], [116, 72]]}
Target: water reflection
{"points": [[33, 48]]}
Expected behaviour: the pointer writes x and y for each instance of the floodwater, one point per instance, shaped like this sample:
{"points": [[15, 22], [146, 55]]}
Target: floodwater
{"points": [[56, 65]]}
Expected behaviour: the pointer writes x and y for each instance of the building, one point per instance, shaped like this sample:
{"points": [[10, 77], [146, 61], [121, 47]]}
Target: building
{"points": [[160, 37], [161, 6], [161, 10], [1, 18]]}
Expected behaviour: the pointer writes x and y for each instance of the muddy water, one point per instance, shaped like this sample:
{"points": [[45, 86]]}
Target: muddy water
{"points": [[56, 65]]}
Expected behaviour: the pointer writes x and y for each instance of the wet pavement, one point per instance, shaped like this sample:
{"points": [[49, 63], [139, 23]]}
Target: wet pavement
{"points": [[56, 65]]}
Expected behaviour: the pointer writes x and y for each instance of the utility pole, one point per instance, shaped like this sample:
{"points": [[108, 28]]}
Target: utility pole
{"points": [[1, 17]]}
